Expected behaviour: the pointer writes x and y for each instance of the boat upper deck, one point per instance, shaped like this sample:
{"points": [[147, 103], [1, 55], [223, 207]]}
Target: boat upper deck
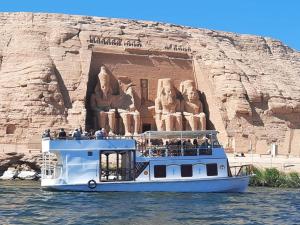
{"points": [[108, 144], [148, 144]]}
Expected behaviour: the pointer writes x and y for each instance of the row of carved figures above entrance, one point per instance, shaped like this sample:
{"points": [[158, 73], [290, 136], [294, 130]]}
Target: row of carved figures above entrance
{"points": [[117, 110]]}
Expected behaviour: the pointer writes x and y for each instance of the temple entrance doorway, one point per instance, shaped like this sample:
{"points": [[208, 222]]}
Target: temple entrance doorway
{"points": [[146, 127]]}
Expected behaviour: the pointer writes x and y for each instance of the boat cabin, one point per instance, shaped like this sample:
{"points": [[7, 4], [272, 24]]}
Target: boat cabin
{"points": [[182, 155], [152, 156]]}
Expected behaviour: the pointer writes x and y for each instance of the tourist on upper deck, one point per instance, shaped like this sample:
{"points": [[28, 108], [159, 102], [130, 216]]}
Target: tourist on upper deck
{"points": [[167, 144], [195, 142], [166, 153], [76, 134], [85, 135], [91, 134], [104, 133], [62, 134], [46, 134], [189, 143], [184, 143], [204, 143], [99, 134]]}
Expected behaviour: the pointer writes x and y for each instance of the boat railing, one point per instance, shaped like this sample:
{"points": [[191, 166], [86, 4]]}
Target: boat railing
{"points": [[174, 150], [109, 137], [242, 170]]}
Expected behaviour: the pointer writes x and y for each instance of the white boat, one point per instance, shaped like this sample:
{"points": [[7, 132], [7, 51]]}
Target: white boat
{"points": [[154, 161]]}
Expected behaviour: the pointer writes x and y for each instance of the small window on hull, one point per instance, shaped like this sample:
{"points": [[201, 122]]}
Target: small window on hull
{"points": [[186, 170], [212, 169], [160, 171], [90, 153]]}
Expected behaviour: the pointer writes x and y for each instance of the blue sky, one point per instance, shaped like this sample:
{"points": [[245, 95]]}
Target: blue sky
{"points": [[278, 19]]}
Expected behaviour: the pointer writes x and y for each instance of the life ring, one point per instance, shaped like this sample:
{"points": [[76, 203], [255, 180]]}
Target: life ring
{"points": [[92, 184]]}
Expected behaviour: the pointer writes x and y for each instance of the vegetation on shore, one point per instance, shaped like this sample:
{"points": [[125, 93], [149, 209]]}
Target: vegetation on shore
{"points": [[272, 177]]}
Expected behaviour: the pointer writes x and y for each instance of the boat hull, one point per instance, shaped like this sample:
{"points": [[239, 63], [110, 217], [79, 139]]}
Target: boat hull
{"points": [[228, 184]]}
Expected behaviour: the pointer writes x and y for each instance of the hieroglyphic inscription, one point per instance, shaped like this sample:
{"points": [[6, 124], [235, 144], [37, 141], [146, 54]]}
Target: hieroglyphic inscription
{"points": [[115, 41], [179, 48], [135, 43]]}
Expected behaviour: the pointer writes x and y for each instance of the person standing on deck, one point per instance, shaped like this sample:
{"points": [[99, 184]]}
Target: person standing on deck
{"points": [[62, 134], [99, 134], [76, 134]]}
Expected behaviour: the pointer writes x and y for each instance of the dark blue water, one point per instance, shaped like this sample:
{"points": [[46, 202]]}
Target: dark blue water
{"points": [[25, 203]]}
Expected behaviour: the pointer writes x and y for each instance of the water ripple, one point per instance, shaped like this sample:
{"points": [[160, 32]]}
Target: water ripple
{"points": [[25, 203]]}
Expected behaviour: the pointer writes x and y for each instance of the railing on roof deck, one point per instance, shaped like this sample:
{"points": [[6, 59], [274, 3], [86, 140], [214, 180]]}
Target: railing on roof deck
{"points": [[174, 150], [110, 137], [178, 134], [210, 134]]}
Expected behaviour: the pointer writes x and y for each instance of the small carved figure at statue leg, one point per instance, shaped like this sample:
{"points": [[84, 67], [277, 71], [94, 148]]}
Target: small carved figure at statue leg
{"points": [[178, 121], [137, 122], [126, 117], [102, 119], [111, 121]]}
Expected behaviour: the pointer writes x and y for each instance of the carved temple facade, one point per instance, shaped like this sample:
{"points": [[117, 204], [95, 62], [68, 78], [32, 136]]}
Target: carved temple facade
{"points": [[131, 93], [131, 76]]}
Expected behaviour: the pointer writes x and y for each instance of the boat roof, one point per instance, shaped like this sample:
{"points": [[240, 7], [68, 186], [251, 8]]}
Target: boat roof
{"points": [[178, 134], [88, 145]]}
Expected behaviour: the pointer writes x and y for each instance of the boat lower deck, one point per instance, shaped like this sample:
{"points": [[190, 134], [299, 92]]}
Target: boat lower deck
{"points": [[228, 184]]}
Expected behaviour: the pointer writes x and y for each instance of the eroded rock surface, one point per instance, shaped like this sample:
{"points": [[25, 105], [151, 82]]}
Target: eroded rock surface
{"points": [[20, 166], [249, 85]]}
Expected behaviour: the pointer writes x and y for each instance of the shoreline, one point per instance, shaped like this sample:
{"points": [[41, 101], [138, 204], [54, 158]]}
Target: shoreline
{"points": [[279, 171]]}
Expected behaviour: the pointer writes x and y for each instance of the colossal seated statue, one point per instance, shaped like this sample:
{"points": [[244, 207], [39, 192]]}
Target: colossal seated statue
{"points": [[101, 102], [167, 107], [192, 106], [128, 105], [106, 103]]}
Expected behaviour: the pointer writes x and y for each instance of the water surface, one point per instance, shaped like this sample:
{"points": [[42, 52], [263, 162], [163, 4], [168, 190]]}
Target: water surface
{"points": [[25, 203]]}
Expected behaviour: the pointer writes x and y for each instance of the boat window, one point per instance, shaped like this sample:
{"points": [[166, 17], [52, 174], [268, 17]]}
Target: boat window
{"points": [[90, 153], [212, 169], [160, 171], [186, 170]]}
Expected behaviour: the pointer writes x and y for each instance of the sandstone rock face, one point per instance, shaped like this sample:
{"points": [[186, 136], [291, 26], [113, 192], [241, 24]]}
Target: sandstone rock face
{"points": [[20, 166], [249, 85]]}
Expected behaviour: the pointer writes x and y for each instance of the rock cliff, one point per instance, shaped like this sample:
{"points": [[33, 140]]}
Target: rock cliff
{"points": [[250, 85]]}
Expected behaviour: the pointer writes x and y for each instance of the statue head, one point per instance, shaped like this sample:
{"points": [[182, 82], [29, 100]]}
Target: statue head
{"points": [[104, 79], [189, 91], [168, 92]]}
